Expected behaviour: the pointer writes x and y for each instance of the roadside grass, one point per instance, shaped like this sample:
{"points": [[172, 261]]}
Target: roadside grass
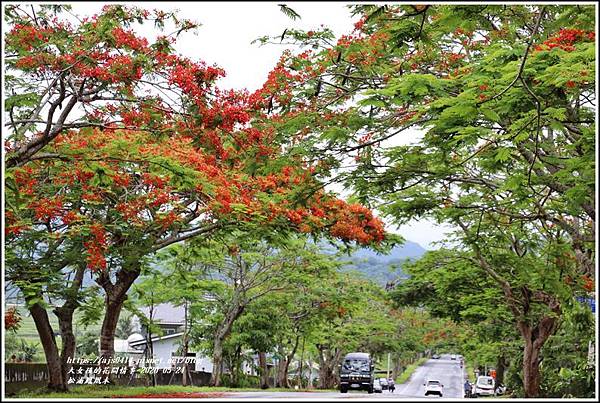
{"points": [[407, 373], [470, 372], [102, 391]]}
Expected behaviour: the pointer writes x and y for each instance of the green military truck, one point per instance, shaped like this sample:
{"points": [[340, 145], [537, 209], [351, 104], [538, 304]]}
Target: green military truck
{"points": [[357, 372]]}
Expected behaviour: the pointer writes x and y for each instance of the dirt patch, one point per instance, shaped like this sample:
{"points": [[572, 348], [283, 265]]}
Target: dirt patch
{"points": [[177, 395]]}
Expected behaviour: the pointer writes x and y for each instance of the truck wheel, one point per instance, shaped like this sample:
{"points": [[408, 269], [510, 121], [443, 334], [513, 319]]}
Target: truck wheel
{"points": [[343, 389], [370, 389]]}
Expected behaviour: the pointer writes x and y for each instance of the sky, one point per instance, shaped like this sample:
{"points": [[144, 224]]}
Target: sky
{"points": [[224, 38]]}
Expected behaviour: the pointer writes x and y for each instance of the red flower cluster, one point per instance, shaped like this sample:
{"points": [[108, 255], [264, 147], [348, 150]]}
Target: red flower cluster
{"points": [[588, 283], [12, 227], [25, 179], [12, 319], [354, 222], [565, 39], [96, 248], [358, 26], [27, 36], [47, 208], [128, 40]]}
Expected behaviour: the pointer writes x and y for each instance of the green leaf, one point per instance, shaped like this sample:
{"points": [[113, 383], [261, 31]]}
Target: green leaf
{"points": [[29, 99], [490, 114], [502, 154]]}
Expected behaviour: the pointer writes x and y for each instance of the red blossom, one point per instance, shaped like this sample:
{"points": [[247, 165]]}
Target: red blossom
{"points": [[12, 319]]}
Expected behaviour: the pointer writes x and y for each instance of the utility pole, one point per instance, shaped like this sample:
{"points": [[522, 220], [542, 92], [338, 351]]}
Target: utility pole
{"points": [[388, 367]]}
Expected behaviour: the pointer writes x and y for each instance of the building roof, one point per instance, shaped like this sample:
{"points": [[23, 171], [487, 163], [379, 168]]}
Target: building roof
{"points": [[166, 314], [156, 339]]}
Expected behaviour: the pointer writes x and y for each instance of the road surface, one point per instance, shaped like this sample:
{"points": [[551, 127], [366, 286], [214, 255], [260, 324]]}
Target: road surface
{"points": [[444, 369]]}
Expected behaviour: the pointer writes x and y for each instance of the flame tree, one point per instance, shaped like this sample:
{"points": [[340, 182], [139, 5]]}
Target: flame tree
{"points": [[503, 101], [118, 147]]}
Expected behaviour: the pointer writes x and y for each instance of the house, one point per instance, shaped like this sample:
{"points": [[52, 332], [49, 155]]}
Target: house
{"points": [[171, 320], [165, 352]]}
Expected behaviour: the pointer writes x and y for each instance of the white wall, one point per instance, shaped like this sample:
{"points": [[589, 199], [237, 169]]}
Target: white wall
{"points": [[163, 351], [203, 362]]}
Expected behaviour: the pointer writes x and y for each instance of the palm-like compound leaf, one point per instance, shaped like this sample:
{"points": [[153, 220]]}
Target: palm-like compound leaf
{"points": [[288, 11], [376, 13]]}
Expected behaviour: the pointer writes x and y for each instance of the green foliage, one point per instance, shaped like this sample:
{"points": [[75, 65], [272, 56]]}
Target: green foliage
{"points": [[289, 12], [505, 157], [88, 345], [565, 367], [18, 349]]}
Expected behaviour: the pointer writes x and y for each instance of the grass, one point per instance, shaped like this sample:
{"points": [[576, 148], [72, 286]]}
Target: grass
{"points": [[407, 373], [469, 371], [97, 391], [28, 332]]}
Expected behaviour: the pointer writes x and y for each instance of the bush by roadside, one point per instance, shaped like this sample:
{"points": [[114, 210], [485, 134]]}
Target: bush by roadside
{"points": [[407, 373]]}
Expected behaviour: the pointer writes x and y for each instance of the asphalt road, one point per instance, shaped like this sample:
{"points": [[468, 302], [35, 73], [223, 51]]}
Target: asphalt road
{"points": [[444, 369], [447, 371]]}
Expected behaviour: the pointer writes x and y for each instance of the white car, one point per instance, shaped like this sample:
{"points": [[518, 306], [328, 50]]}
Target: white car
{"points": [[434, 387], [453, 357], [377, 386], [484, 386]]}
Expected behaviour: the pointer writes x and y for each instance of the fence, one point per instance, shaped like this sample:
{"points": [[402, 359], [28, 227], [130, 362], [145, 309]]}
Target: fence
{"points": [[29, 376]]}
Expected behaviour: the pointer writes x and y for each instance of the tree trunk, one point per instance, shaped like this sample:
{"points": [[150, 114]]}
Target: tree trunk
{"points": [[65, 323], [531, 370], [184, 377], [284, 365], [534, 340], [280, 380], [327, 365], [500, 368], [535, 337], [215, 379], [56, 381], [264, 370], [116, 294], [301, 363], [107, 332], [520, 306], [222, 332], [235, 366]]}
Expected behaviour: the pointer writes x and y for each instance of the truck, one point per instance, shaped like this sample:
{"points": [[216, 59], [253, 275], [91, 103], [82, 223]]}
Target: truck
{"points": [[357, 372]]}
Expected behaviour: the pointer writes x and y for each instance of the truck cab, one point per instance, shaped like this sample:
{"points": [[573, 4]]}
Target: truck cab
{"points": [[357, 372]]}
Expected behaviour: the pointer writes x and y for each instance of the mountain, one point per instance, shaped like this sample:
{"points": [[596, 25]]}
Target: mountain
{"points": [[383, 268]]}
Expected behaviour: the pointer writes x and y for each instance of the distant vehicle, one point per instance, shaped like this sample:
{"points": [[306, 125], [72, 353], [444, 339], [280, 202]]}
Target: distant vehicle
{"points": [[357, 372], [377, 386], [435, 357], [384, 383], [484, 386], [453, 357], [433, 387]]}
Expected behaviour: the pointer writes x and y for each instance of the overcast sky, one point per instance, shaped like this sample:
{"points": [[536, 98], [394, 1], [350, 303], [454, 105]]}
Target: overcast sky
{"points": [[224, 39]]}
